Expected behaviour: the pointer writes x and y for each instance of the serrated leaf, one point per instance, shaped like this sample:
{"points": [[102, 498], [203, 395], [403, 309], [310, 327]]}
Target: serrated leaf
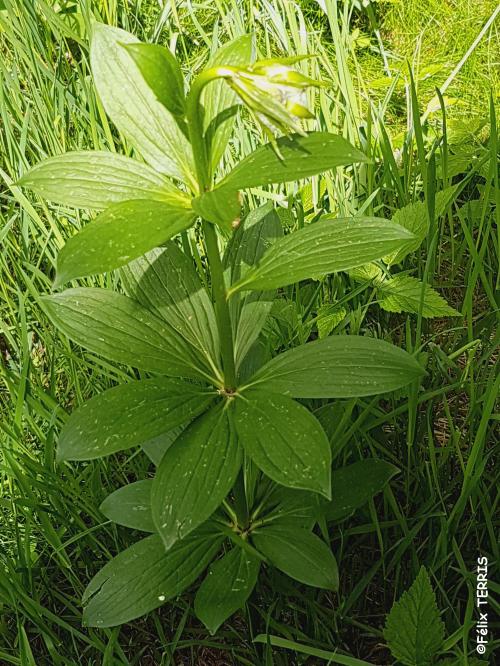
{"points": [[260, 229], [402, 293], [340, 366], [162, 72], [324, 247], [195, 475], [120, 234], [121, 330], [219, 100], [133, 106], [144, 576], [97, 179], [128, 415], [226, 588], [221, 207], [130, 506], [354, 485], [303, 156], [329, 316], [165, 282], [284, 440], [300, 554], [414, 630]]}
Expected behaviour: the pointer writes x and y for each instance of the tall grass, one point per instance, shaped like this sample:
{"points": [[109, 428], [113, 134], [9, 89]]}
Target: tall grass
{"points": [[441, 511]]}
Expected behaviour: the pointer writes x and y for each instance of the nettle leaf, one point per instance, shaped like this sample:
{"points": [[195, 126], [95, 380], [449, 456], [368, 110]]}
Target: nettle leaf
{"points": [[354, 485], [121, 330], [128, 415], [299, 553], [155, 447], [321, 248], [97, 179], [414, 217], [195, 475], [260, 229], [219, 100], [226, 588], [284, 440], [121, 233], [414, 630], [130, 506], [144, 576], [403, 293], [134, 107], [162, 72], [303, 156], [221, 207], [165, 281], [340, 366]]}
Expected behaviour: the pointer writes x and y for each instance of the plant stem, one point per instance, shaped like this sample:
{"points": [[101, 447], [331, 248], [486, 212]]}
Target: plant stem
{"points": [[203, 168]]}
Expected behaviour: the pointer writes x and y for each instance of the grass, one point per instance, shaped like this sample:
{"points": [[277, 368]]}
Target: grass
{"points": [[442, 509]]}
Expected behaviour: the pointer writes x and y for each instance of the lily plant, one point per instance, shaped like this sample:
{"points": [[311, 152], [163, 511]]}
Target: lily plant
{"points": [[243, 465]]}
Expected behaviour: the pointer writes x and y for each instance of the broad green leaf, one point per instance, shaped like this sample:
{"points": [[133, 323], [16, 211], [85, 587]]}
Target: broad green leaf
{"points": [[121, 233], [155, 448], [298, 508], [414, 630], [321, 248], [165, 281], [162, 72], [97, 179], [402, 293], [303, 156], [299, 553], [219, 100], [143, 577], [133, 106], [329, 316], [122, 330], [284, 440], [340, 366], [260, 229], [131, 506], [414, 217], [226, 588], [128, 415], [221, 207], [354, 485], [195, 475]]}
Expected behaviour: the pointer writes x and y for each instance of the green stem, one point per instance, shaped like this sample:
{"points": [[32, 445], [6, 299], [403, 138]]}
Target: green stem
{"points": [[202, 161]]}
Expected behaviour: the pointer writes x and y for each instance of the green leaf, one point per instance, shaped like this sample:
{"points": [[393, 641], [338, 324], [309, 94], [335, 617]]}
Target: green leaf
{"points": [[260, 229], [133, 106], [162, 72], [221, 207], [165, 282], [128, 415], [284, 440], [121, 233], [303, 156], [155, 447], [195, 475], [402, 293], [144, 576], [321, 248], [226, 588], [354, 485], [414, 630], [131, 506], [329, 316], [340, 366], [219, 100], [97, 179], [121, 330], [300, 554], [329, 656], [414, 217]]}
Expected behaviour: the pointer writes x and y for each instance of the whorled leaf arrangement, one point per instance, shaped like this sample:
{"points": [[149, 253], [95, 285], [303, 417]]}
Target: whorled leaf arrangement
{"points": [[239, 460]]}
